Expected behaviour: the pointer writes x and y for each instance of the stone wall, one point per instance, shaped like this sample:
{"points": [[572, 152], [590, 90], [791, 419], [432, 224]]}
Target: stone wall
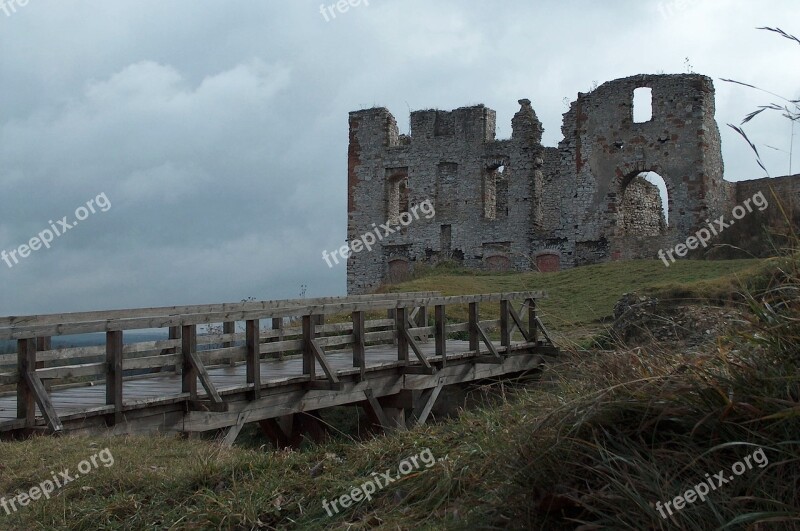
{"points": [[517, 205]]}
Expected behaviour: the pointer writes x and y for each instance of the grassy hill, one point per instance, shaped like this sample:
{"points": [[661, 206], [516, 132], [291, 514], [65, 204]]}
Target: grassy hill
{"points": [[595, 442]]}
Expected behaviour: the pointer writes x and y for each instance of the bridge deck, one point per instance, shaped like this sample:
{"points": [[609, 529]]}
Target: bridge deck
{"points": [[227, 379]]}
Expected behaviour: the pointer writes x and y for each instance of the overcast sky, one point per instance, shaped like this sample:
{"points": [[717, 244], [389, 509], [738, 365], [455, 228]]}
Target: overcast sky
{"points": [[218, 130]]}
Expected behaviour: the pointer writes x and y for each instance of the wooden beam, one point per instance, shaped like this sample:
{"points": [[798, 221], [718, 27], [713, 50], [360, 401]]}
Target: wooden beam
{"points": [[189, 371], [43, 399], [359, 348], [544, 330], [114, 374], [309, 363], [488, 342], [417, 351], [505, 325], [402, 338], [422, 322], [518, 321], [375, 410], [42, 344], [233, 431], [26, 364], [441, 332], [253, 360], [533, 330], [194, 368], [319, 354], [426, 403], [474, 336]]}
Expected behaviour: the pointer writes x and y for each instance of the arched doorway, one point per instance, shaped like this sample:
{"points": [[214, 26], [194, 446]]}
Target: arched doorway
{"points": [[644, 206]]}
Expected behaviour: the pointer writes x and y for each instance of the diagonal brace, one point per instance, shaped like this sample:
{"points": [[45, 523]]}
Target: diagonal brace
{"points": [[202, 374], [415, 347], [518, 321], [488, 343], [43, 399], [319, 354]]}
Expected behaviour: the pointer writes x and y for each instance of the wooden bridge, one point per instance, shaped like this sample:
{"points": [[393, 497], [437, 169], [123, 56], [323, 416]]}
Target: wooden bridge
{"points": [[385, 353]]}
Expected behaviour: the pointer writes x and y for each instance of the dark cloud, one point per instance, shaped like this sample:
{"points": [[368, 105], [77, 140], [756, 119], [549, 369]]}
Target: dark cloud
{"points": [[218, 130]]}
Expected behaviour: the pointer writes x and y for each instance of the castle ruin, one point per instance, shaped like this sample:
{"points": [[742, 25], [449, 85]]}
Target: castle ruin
{"points": [[516, 205]]}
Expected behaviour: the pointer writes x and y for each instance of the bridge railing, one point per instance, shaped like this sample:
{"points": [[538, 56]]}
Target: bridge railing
{"points": [[296, 327]]}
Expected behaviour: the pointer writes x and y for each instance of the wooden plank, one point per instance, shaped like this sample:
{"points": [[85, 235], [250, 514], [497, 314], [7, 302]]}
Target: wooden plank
{"points": [[359, 348], [42, 344], [73, 371], [253, 359], [21, 332], [196, 309], [282, 346], [114, 344], [26, 364]]}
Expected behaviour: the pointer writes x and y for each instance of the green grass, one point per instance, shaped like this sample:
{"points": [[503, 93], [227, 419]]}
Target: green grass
{"points": [[586, 295], [597, 440]]}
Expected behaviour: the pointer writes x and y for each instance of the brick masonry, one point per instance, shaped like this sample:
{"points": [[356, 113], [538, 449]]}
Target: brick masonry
{"points": [[517, 205]]}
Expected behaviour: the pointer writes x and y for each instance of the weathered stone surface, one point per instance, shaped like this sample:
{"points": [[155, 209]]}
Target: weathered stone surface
{"points": [[518, 205]]}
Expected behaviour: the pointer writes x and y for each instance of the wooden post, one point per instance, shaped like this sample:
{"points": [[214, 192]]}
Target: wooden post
{"points": [[277, 324], [392, 314], [114, 374], [505, 325], [422, 321], [253, 357], [533, 327], [474, 336], [26, 363], [359, 350], [441, 333], [189, 347], [43, 344], [229, 328], [402, 341], [309, 362]]}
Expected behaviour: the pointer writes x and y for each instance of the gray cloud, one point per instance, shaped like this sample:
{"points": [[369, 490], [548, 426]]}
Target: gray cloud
{"points": [[219, 130]]}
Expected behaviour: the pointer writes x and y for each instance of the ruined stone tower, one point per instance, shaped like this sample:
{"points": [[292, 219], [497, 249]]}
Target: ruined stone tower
{"points": [[517, 205]]}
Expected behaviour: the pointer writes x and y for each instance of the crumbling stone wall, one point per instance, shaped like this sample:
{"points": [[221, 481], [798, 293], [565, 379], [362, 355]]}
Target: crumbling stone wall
{"points": [[517, 205], [484, 190]]}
